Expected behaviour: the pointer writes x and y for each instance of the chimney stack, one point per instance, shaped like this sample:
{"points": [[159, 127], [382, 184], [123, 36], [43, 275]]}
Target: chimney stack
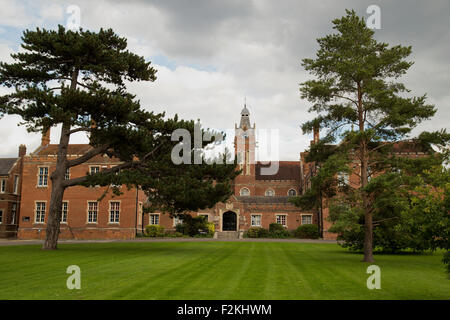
{"points": [[45, 137], [22, 151]]}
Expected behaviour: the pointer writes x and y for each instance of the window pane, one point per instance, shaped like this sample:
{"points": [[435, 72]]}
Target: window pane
{"points": [[306, 219], [92, 212]]}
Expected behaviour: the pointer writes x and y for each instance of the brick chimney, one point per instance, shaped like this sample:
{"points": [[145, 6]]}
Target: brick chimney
{"points": [[45, 137], [316, 134], [22, 151]]}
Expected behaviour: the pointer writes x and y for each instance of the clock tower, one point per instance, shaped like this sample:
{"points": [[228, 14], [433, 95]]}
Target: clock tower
{"points": [[244, 143]]}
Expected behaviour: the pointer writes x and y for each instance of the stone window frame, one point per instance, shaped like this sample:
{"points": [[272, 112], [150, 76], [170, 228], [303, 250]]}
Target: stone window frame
{"points": [[176, 221], [260, 220], [203, 214], [306, 215], [41, 221], [140, 212], [246, 195], [43, 175], [16, 184], [67, 174], [13, 212], [62, 211], [292, 189], [285, 219], [150, 219], [267, 190], [87, 211], [109, 211], [3, 185]]}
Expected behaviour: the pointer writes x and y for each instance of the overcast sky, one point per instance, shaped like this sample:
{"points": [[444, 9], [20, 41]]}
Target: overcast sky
{"points": [[210, 54]]}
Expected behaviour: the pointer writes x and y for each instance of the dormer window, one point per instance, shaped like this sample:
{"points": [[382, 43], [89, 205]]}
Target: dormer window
{"points": [[245, 192]]}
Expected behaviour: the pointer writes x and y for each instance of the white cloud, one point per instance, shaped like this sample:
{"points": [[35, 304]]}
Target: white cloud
{"points": [[211, 54]]}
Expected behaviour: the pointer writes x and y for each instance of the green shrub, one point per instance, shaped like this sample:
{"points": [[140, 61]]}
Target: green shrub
{"points": [[276, 227], [192, 226], [181, 228], [211, 228], [154, 231], [280, 234], [307, 231], [256, 232], [446, 261]]}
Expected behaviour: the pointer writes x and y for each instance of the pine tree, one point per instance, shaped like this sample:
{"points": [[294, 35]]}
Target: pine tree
{"points": [[357, 85], [78, 79]]}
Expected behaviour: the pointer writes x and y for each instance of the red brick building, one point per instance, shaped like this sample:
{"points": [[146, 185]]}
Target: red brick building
{"points": [[86, 214], [10, 193], [259, 199]]}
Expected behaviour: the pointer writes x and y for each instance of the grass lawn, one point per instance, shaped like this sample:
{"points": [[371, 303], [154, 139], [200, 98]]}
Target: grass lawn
{"points": [[215, 270]]}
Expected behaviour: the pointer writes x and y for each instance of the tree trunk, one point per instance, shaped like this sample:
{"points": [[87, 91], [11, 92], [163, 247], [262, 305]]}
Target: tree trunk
{"points": [[368, 224], [57, 178], [54, 216]]}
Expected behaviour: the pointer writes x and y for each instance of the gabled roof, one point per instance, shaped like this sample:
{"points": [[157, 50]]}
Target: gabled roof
{"points": [[6, 165], [287, 170], [52, 149]]}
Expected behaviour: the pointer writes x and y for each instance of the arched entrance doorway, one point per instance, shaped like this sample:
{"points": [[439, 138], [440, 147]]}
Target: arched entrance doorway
{"points": [[229, 221]]}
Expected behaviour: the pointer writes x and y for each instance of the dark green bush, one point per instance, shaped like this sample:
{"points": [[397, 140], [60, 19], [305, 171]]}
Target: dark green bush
{"points": [[280, 234], [276, 227], [256, 232], [446, 261], [307, 231], [193, 226], [154, 231]]}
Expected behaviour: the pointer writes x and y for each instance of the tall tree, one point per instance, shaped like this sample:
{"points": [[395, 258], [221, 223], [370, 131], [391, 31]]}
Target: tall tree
{"points": [[78, 79], [357, 85]]}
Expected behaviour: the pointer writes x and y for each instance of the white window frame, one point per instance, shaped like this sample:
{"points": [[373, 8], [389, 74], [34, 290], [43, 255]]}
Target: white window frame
{"points": [[1, 216], [116, 214], [13, 213], [269, 190], [64, 213], [67, 174], [204, 214], [292, 189], [16, 183], [92, 167], [41, 214], [244, 195], [94, 213], [285, 219], [177, 221], [44, 183], [150, 216], [307, 215], [2, 185], [260, 220], [140, 211], [344, 179]]}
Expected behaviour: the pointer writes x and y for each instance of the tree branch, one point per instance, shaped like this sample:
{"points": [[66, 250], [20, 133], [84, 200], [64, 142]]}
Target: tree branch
{"points": [[126, 165], [79, 129], [88, 155]]}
